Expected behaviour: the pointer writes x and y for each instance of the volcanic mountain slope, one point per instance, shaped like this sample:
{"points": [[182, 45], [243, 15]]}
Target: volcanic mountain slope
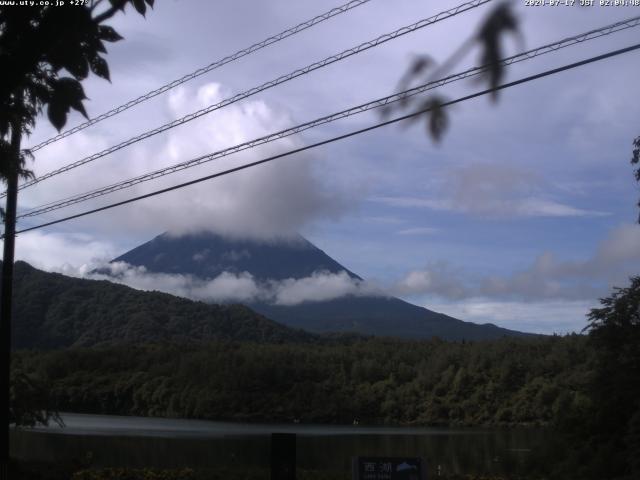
{"points": [[207, 255]]}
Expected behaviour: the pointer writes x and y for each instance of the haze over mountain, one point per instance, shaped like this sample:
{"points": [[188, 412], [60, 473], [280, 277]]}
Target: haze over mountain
{"points": [[305, 288]]}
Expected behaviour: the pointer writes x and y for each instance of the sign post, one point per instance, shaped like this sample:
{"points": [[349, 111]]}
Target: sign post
{"points": [[283, 456], [388, 468]]}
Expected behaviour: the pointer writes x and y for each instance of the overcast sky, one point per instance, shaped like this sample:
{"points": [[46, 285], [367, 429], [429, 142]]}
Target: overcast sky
{"points": [[522, 216]]}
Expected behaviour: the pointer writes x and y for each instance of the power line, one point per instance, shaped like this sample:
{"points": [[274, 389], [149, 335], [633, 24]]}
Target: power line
{"points": [[337, 138], [545, 49], [270, 84], [201, 71]]}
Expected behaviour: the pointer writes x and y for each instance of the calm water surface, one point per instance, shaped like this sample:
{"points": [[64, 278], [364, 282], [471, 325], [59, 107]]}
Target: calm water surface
{"points": [[112, 441]]}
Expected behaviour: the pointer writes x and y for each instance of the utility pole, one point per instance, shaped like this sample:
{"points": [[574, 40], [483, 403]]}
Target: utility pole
{"points": [[13, 162]]}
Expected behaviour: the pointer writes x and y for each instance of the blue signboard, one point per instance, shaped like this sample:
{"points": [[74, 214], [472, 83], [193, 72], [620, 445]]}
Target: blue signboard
{"points": [[388, 468]]}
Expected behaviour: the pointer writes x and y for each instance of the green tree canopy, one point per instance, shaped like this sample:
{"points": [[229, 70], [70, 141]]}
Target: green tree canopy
{"points": [[614, 332]]}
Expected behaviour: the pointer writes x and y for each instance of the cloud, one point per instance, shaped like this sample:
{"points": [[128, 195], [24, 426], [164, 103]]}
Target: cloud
{"points": [[263, 201], [383, 220], [415, 202], [438, 279], [320, 286], [541, 207], [546, 317], [616, 259], [235, 287], [418, 231], [50, 251], [491, 191], [228, 287], [621, 245]]}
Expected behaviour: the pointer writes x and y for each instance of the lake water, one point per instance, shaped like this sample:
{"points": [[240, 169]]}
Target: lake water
{"points": [[112, 441]]}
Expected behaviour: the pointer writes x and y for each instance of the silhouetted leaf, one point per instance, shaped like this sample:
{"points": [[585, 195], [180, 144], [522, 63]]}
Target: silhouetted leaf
{"points": [[56, 57], [438, 119], [57, 113], [69, 88], [78, 67], [150, 3], [99, 46], [26, 153], [108, 34], [38, 92], [419, 65], [67, 93], [23, 173], [100, 68], [79, 107], [119, 4], [385, 111], [140, 6], [500, 21]]}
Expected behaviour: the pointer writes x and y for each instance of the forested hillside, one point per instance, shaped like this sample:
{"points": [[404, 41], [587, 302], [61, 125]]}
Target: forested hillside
{"points": [[56, 311]]}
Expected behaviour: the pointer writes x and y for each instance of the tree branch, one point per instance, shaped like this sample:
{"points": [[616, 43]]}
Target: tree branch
{"points": [[119, 5]]}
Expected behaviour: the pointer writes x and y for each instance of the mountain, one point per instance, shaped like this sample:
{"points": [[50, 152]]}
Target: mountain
{"points": [[55, 311], [206, 255]]}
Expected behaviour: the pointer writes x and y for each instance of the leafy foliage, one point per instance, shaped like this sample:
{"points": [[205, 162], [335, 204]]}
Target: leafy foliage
{"points": [[614, 421], [489, 38], [29, 402], [505, 382], [37, 46], [618, 317]]}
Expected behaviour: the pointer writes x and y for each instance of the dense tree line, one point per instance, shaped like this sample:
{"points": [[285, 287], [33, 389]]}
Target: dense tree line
{"points": [[510, 381], [606, 430]]}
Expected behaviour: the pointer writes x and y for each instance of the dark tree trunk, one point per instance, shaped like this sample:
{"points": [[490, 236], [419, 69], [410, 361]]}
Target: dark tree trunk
{"points": [[7, 291]]}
